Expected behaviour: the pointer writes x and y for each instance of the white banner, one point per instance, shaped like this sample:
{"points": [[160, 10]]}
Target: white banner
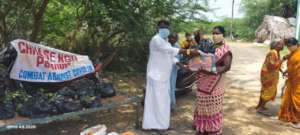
{"points": [[39, 63]]}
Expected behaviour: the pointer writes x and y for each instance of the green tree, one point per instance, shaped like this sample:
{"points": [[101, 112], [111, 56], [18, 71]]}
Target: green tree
{"points": [[22, 19], [116, 32]]}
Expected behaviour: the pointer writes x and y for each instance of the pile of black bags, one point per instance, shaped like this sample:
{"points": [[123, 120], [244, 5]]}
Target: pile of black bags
{"points": [[36, 100], [40, 102], [6, 107], [7, 110]]}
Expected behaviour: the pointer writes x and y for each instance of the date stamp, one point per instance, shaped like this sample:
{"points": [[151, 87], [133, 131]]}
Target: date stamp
{"points": [[21, 127]]}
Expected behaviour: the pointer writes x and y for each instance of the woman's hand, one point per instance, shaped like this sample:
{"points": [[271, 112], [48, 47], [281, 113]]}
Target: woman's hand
{"points": [[194, 52], [183, 66], [189, 52]]}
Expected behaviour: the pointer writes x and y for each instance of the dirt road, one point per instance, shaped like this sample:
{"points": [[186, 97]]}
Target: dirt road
{"points": [[240, 99]]}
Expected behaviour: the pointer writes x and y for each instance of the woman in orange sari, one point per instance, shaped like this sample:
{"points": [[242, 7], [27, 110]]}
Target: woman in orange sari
{"points": [[269, 75], [290, 104]]}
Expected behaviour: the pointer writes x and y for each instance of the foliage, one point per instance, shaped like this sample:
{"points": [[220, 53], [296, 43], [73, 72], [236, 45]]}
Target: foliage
{"points": [[240, 31], [116, 32]]}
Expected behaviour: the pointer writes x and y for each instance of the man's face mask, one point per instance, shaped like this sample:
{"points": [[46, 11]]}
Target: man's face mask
{"points": [[164, 32], [218, 38]]}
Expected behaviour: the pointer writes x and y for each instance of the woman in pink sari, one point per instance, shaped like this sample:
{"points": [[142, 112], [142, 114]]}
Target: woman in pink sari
{"points": [[208, 115]]}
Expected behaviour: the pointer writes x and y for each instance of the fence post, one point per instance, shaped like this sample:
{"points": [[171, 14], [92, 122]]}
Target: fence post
{"points": [[298, 20]]}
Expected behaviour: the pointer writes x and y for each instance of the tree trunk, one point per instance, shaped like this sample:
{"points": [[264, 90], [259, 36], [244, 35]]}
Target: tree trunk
{"points": [[4, 34], [109, 59], [3, 25], [79, 21], [38, 21], [72, 38]]}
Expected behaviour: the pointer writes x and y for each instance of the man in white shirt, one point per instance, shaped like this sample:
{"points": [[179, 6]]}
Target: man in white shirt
{"points": [[157, 99]]}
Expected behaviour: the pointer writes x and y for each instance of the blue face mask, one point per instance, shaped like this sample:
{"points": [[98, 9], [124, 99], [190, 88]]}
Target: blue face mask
{"points": [[164, 32]]}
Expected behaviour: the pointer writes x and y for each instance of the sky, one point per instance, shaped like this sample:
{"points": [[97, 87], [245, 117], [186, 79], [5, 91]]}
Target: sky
{"points": [[222, 8]]}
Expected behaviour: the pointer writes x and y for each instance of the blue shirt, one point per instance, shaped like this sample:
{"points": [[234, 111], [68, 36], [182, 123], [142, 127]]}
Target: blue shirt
{"points": [[206, 46]]}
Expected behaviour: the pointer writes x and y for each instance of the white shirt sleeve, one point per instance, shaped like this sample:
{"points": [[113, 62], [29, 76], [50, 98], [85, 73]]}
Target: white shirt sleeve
{"points": [[175, 60], [164, 46]]}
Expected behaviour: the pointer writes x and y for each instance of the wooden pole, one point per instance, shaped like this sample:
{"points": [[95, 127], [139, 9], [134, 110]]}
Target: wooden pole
{"points": [[232, 20], [298, 20]]}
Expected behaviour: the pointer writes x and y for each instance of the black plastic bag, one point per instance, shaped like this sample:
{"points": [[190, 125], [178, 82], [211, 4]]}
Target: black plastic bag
{"points": [[88, 91], [9, 104], [2, 92], [30, 89], [107, 90], [3, 80], [37, 107], [81, 84], [8, 56], [90, 102], [43, 109], [96, 104], [2, 87], [65, 105], [25, 111], [87, 101], [27, 108], [67, 92], [6, 113], [83, 87], [7, 110], [70, 106]]}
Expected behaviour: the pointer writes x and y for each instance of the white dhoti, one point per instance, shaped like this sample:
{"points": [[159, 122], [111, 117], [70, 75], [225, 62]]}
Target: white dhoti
{"points": [[157, 105]]}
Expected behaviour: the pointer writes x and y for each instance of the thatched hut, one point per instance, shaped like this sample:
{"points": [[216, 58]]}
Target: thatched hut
{"points": [[274, 27]]}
